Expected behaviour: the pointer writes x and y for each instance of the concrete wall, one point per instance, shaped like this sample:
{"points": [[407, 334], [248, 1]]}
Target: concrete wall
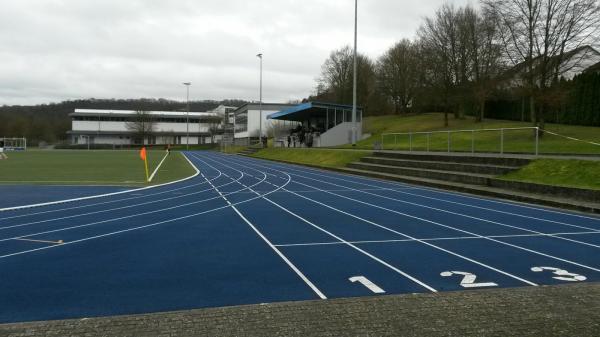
{"points": [[339, 135]]}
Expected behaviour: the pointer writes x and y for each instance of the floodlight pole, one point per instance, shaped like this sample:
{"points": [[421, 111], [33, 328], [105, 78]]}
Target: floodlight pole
{"points": [[260, 56], [355, 75], [187, 116]]}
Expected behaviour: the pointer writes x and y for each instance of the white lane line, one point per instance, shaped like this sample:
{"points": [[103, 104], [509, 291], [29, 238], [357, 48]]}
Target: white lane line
{"points": [[134, 228], [158, 167], [109, 209], [432, 239], [102, 195], [59, 242], [440, 191], [111, 201], [446, 226], [275, 249], [349, 189], [342, 241], [402, 191], [397, 232], [119, 218]]}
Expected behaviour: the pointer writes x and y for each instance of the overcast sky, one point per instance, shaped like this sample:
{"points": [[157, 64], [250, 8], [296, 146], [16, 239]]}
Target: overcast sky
{"points": [[54, 50]]}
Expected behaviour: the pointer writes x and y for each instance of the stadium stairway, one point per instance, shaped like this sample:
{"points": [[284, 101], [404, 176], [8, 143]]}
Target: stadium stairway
{"points": [[475, 174]]}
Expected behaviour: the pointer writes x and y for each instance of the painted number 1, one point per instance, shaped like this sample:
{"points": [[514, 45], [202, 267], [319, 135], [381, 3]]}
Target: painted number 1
{"points": [[365, 282], [468, 280]]}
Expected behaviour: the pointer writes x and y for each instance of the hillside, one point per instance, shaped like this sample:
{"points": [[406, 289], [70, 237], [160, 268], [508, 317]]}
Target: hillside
{"points": [[515, 141]]}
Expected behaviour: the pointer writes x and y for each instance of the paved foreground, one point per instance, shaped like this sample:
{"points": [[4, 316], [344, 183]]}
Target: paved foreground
{"points": [[572, 310]]}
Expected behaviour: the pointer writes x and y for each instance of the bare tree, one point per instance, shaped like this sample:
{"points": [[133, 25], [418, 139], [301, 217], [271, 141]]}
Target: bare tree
{"points": [[537, 34], [142, 125], [398, 74], [337, 76], [439, 40]]}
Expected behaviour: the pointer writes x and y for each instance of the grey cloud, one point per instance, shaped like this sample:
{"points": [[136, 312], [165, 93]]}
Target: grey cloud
{"points": [[69, 49]]}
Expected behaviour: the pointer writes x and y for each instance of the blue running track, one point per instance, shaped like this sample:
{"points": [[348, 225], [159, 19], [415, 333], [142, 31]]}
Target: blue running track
{"points": [[246, 231]]}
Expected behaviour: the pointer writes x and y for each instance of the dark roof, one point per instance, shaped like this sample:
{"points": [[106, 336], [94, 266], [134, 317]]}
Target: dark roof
{"points": [[265, 106], [305, 111], [593, 69], [522, 67]]}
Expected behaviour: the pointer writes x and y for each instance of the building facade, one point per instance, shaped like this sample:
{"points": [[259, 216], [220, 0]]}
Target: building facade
{"points": [[247, 121], [123, 127]]}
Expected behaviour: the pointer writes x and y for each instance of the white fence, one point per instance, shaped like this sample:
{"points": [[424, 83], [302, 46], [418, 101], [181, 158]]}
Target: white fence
{"points": [[502, 135]]}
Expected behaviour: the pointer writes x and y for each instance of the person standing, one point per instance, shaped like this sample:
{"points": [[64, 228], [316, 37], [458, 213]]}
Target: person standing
{"points": [[289, 140]]}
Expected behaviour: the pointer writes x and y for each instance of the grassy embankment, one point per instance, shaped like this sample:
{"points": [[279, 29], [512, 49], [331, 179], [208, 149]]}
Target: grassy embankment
{"points": [[90, 167], [318, 157], [571, 173], [514, 141]]}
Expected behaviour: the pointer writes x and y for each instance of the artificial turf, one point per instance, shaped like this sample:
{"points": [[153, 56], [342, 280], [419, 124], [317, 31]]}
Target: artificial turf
{"points": [[80, 167]]}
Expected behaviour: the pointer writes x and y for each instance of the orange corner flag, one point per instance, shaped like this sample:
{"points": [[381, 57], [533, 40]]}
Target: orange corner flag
{"points": [[145, 159], [143, 153]]}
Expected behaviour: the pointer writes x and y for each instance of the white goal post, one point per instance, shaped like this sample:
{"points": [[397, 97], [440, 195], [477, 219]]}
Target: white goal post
{"points": [[13, 144]]}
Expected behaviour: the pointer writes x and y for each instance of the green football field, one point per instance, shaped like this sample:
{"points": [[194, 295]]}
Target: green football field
{"points": [[79, 167]]}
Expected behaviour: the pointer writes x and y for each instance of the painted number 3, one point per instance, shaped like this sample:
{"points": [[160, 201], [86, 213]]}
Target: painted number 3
{"points": [[561, 274]]}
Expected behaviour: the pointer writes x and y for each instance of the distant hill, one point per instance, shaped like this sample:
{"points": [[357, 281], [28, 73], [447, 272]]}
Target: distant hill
{"points": [[50, 122]]}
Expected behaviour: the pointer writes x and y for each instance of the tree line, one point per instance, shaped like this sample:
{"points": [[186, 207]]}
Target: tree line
{"points": [[464, 59], [50, 122]]}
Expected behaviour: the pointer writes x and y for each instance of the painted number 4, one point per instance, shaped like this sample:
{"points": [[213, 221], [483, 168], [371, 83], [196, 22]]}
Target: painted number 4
{"points": [[468, 280], [561, 274]]}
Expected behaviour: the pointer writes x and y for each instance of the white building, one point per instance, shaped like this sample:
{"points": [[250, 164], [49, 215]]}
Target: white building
{"points": [[113, 127], [247, 121]]}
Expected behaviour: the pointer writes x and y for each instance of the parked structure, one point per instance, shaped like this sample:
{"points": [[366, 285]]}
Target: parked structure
{"points": [[322, 124]]}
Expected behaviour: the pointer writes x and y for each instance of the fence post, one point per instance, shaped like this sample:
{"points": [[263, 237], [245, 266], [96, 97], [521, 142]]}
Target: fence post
{"points": [[428, 136], [410, 142], [501, 141], [449, 146], [537, 141], [473, 141], [395, 141]]}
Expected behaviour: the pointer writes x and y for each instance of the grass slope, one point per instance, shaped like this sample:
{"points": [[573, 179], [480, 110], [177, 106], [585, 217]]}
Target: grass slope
{"points": [[90, 168], [569, 173], [325, 158], [515, 141]]}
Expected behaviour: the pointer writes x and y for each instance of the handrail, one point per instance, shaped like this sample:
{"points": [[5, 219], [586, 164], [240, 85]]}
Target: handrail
{"points": [[456, 131], [472, 131]]}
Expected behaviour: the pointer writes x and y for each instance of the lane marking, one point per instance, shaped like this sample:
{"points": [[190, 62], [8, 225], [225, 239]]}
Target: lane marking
{"points": [[350, 189], [119, 218], [158, 167], [103, 195], [367, 283], [441, 225], [381, 261], [109, 209], [561, 274], [435, 239], [397, 232], [429, 189], [131, 229], [275, 249], [59, 242]]}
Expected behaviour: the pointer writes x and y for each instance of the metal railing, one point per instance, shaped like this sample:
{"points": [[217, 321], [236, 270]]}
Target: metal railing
{"points": [[449, 133]]}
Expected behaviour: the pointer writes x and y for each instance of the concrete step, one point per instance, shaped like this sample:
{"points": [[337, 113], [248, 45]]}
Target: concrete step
{"points": [[534, 198], [466, 178], [442, 166], [456, 158]]}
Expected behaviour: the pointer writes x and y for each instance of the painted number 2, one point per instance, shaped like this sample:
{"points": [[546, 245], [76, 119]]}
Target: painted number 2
{"points": [[468, 280], [561, 274]]}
